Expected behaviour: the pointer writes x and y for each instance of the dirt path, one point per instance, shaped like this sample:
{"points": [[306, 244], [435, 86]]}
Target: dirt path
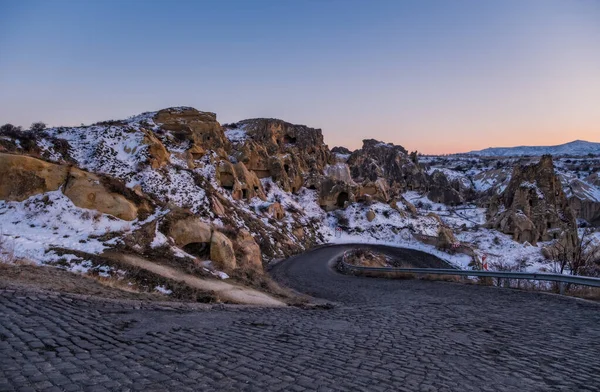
{"points": [[226, 291]]}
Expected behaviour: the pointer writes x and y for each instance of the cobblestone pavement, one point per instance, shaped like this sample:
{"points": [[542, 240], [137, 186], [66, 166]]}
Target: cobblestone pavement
{"points": [[381, 335]]}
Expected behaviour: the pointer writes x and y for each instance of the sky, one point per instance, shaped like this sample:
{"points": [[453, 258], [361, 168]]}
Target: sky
{"points": [[433, 76]]}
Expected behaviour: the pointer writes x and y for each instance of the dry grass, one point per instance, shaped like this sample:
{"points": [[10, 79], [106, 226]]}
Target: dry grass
{"points": [[263, 282], [366, 258], [590, 293], [117, 283], [145, 281], [406, 275]]}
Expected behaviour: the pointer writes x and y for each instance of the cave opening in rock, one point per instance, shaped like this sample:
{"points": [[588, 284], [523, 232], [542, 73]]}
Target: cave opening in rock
{"points": [[244, 193], [286, 167], [342, 199], [289, 139], [198, 249]]}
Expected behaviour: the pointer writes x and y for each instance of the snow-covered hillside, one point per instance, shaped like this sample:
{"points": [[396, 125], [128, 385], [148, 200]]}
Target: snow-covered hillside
{"points": [[574, 148], [176, 182]]}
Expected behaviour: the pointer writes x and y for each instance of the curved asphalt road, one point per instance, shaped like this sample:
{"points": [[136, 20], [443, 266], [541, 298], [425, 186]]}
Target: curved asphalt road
{"points": [[382, 335], [472, 337], [313, 273]]}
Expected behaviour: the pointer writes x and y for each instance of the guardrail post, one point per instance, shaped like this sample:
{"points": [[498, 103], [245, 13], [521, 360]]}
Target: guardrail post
{"points": [[562, 288]]}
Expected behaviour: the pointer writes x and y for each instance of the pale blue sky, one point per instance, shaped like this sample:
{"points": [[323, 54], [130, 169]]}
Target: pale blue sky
{"points": [[437, 76]]}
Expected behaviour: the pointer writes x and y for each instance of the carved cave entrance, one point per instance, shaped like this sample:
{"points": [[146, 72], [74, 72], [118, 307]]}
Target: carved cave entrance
{"points": [[198, 249], [342, 199]]}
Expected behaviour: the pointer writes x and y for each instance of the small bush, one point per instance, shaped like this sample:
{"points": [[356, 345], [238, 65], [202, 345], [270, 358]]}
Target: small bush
{"points": [[37, 126], [342, 218]]}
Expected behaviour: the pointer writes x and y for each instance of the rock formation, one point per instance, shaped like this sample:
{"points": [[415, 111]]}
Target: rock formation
{"points": [[23, 176], [584, 200], [200, 129], [534, 206], [377, 160], [242, 183], [442, 191], [221, 252], [86, 191], [273, 148]]}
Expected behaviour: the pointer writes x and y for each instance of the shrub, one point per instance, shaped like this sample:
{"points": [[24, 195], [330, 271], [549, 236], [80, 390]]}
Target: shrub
{"points": [[10, 130], [37, 126], [342, 218]]}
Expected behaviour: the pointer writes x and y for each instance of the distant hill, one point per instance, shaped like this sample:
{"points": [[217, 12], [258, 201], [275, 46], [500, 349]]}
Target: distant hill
{"points": [[577, 147]]}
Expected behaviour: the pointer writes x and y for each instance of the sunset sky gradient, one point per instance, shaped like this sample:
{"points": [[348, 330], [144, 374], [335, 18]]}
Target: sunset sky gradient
{"points": [[435, 76]]}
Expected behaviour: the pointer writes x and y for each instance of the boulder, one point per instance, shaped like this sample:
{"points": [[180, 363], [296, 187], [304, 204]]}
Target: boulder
{"points": [[86, 191], [250, 254], [190, 230], [22, 177], [445, 238], [221, 252], [370, 215], [373, 190]]}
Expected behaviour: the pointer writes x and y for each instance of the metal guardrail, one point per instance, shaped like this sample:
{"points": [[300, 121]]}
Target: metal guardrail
{"points": [[572, 279]]}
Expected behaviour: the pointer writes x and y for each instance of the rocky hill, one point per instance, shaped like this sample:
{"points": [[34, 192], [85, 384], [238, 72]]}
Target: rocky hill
{"points": [[175, 192], [534, 206]]}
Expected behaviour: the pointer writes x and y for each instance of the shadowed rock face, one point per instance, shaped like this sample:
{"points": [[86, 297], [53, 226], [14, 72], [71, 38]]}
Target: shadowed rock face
{"points": [[584, 201], [381, 160], [442, 191], [534, 206], [286, 152]]}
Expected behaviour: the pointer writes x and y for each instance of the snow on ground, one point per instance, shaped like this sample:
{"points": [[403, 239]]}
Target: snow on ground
{"points": [[387, 223], [453, 175], [33, 226], [47, 147], [115, 150], [486, 180], [236, 135], [502, 252], [163, 290], [174, 185], [468, 215]]}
